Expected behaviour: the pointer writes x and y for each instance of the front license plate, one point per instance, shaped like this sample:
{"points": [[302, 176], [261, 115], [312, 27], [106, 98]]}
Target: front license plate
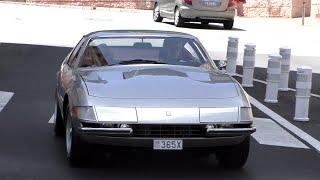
{"points": [[170, 144]]}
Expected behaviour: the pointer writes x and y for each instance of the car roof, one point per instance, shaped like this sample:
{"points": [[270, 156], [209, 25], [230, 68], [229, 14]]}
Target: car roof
{"points": [[125, 33]]}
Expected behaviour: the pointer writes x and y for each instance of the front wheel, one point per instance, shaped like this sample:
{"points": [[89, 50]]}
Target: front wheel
{"points": [[234, 157], [178, 20], [59, 128], [74, 145], [228, 24], [156, 13]]}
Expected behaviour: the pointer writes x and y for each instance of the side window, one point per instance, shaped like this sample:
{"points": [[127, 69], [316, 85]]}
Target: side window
{"points": [[75, 53]]}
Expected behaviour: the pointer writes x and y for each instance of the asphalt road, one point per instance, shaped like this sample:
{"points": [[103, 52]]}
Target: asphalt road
{"points": [[286, 107], [29, 149]]}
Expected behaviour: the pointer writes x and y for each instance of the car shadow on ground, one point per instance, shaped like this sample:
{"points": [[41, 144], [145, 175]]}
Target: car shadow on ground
{"points": [[147, 164], [211, 26]]}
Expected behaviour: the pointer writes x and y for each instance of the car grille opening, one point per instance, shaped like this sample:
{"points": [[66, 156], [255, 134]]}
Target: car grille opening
{"points": [[168, 131]]}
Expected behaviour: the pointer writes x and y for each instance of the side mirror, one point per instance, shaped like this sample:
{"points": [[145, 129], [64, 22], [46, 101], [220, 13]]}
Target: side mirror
{"points": [[222, 65]]}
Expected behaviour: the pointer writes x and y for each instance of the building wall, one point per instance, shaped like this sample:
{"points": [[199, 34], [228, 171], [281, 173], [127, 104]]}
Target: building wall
{"points": [[253, 8], [14, 0], [130, 4], [297, 8], [315, 8], [276, 8]]}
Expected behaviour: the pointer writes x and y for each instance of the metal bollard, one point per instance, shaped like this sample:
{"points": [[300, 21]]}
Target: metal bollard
{"points": [[285, 68], [303, 86], [232, 55], [248, 65], [273, 78]]}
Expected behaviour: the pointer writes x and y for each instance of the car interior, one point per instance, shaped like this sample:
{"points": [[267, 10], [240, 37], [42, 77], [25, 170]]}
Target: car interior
{"points": [[172, 52]]}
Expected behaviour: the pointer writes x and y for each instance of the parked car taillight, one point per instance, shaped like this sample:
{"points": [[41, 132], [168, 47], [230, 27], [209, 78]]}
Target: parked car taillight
{"points": [[231, 3], [188, 2]]}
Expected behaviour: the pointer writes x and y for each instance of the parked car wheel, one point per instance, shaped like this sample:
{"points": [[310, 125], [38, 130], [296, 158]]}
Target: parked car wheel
{"points": [[228, 24], [59, 129], [74, 145], [234, 157], [178, 20], [156, 13]]}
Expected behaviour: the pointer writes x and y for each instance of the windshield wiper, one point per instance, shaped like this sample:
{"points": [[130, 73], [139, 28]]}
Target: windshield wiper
{"points": [[140, 61]]}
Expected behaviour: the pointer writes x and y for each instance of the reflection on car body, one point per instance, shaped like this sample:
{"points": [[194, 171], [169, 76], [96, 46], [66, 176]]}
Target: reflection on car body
{"points": [[168, 95]]}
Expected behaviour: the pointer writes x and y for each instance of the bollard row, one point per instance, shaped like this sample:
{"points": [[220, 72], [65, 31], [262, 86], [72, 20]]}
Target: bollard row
{"points": [[277, 75], [273, 78], [303, 86], [232, 55], [285, 68], [248, 65]]}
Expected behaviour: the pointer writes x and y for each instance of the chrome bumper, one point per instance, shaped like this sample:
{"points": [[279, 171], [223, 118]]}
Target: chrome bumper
{"points": [[216, 132], [230, 131], [108, 131]]}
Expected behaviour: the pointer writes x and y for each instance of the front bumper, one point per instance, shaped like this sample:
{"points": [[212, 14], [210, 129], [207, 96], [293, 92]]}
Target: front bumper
{"points": [[124, 137], [206, 15]]}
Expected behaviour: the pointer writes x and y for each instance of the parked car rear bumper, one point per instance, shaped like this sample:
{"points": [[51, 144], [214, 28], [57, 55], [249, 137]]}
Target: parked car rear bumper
{"points": [[205, 15]]}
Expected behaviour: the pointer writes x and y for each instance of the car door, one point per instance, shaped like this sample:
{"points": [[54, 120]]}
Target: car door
{"points": [[171, 7], [164, 8]]}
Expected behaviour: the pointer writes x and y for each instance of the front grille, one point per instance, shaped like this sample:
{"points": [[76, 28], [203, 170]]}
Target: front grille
{"points": [[168, 131]]}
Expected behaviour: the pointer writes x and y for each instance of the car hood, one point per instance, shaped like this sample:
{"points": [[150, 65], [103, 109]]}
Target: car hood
{"points": [[157, 82]]}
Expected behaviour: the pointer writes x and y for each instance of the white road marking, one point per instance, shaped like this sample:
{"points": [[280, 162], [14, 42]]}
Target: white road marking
{"points": [[270, 133], [4, 98], [290, 89], [286, 124], [52, 120]]}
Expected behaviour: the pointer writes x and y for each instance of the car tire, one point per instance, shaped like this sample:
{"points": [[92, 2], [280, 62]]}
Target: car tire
{"points": [[234, 157], [228, 24], [178, 20], [156, 13], [75, 147], [59, 128]]}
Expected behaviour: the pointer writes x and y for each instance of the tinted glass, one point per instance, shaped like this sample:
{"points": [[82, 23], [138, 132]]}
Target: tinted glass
{"points": [[166, 50]]}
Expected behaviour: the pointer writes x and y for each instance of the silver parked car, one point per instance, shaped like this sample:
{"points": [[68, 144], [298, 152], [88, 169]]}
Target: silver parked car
{"points": [[204, 11], [155, 90]]}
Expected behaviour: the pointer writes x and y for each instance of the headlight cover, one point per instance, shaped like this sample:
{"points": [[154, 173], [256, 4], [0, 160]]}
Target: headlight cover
{"points": [[84, 113], [219, 115], [246, 114], [116, 114]]}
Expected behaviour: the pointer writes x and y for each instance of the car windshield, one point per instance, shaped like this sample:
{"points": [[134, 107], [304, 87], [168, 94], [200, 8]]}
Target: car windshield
{"points": [[144, 50]]}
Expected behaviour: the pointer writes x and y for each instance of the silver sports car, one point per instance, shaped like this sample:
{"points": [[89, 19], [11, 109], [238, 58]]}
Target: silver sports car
{"points": [[153, 90]]}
